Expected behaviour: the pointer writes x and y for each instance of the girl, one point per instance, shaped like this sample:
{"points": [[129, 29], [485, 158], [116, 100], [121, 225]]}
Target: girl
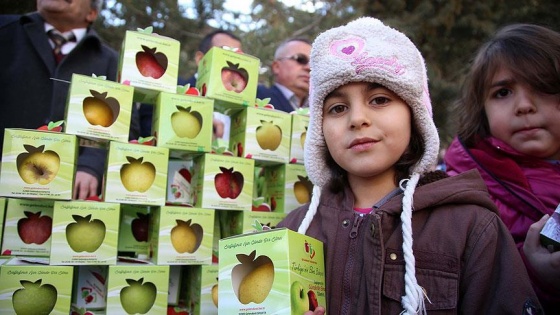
{"points": [[398, 238], [509, 129]]}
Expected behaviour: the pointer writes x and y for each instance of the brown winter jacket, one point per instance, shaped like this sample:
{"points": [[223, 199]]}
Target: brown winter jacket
{"points": [[466, 259]]}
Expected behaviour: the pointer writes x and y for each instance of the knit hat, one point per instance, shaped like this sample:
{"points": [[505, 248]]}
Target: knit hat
{"points": [[366, 50]]}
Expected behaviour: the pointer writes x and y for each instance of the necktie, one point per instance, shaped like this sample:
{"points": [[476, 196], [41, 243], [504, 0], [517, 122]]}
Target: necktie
{"points": [[59, 40]]}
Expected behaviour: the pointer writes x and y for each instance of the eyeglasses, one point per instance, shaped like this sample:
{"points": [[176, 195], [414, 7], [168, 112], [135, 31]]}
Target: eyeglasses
{"points": [[299, 58]]}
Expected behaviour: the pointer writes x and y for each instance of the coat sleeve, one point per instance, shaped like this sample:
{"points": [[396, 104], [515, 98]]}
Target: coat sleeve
{"points": [[494, 279]]}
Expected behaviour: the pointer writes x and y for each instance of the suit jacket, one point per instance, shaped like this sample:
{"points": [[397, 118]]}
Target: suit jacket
{"points": [[30, 98], [277, 99]]}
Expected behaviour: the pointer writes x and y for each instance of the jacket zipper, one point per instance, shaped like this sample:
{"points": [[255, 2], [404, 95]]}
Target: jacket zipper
{"points": [[347, 282]]}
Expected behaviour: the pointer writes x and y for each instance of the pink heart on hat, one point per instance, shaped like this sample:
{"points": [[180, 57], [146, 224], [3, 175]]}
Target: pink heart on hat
{"points": [[347, 48]]}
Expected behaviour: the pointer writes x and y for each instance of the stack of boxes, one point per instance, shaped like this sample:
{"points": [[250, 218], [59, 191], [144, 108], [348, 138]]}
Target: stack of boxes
{"points": [[151, 245]]}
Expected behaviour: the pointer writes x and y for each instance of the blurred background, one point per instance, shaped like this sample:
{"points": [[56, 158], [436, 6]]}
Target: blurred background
{"points": [[447, 32]]}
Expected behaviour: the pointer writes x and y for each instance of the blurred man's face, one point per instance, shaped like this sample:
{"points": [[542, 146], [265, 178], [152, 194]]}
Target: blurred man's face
{"points": [[67, 14], [291, 71]]}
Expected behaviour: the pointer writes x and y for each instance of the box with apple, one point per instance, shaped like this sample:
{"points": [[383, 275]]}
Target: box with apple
{"points": [[85, 233], [150, 63], [183, 122], [133, 229], [263, 271], [179, 183], [29, 288], [256, 221], [229, 77], [261, 134], [99, 109], [223, 182], [182, 236], [28, 227], [299, 133], [201, 290], [38, 164], [134, 288], [297, 187], [90, 288], [136, 174]]}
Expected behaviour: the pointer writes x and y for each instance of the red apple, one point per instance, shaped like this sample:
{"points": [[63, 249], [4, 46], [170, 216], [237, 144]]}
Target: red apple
{"points": [[140, 227], [228, 183], [312, 300], [34, 228], [151, 63], [151, 140], [52, 126], [234, 78]]}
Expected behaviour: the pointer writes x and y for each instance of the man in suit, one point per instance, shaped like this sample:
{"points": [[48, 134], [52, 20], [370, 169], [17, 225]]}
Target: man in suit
{"points": [[34, 79], [291, 76]]}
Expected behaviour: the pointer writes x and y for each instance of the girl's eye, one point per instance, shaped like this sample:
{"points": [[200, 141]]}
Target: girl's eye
{"points": [[379, 100], [501, 93], [337, 109]]}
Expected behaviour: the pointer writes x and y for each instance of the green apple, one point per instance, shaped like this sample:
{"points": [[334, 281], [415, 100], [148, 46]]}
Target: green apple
{"points": [[299, 300], [186, 123], [85, 235], [138, 297], [34, 298], [137, 175], [186, 237], [268, 135], [36, 165]]}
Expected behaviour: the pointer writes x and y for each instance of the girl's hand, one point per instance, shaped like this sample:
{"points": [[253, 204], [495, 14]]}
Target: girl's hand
{"points": [[318, 311], [543, 262]]}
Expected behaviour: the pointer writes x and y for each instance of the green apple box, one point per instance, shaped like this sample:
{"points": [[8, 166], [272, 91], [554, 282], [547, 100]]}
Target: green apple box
{"points": [[85, 233], [136, 174], [182, 236], [133, 229], [274, 272], [28, 227], [228, 77], [183, 122], [202, 293], [261, 134], [27, 288], [297, 187], [98, 109], [179, 182], [38, 164], [90, 288], [2, 211], [150, 63], [175, 283], [137, 289], [256, 221], [299, 133], [223, 182]]}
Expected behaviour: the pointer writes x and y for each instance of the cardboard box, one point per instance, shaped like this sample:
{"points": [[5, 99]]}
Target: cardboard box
{"points": [[137, 289], [133, 229], [27, 288], [223, 182], [150, 63], [182, 236], [85, 233], [202, 292], [98, 108], [180, 190], [263, 271], [136, 174], [90, 288], [228, 77], [299, 133], [28, 227], [183, 122], [261, 134], [3, 202], [38, 164]]}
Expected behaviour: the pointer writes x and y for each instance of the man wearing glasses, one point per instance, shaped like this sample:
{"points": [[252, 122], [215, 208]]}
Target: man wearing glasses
{"points": [[291, 76]]}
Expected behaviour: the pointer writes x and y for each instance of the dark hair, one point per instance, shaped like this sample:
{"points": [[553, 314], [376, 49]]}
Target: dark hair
{"points": [[411, 156], [530, 52], [206, 42]]}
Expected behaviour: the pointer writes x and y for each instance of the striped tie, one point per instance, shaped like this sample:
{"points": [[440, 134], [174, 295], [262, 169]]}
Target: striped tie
{"points": [[59, 40]]}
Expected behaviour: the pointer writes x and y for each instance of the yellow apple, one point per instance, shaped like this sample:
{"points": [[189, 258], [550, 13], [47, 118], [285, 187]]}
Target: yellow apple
{"points": [[257, 284], [186, 123], [37, 166], [215, 294], [137, 175], [302, 189], [98, 109], [268, 135], [186, 237], [302, 137]]}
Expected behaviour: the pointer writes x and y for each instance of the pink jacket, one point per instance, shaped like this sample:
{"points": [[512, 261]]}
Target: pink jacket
{"points": [[524, 188]]}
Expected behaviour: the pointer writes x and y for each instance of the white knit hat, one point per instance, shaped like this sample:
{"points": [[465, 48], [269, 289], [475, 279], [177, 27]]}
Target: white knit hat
{"points": [[366, 50]]}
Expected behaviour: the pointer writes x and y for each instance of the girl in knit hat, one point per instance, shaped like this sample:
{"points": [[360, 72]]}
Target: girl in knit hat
{"points": [[509, 129], [398, 237]]}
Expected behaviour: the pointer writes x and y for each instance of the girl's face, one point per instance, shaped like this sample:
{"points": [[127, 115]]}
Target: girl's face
{"points": [[526, 119], [366, 128]]}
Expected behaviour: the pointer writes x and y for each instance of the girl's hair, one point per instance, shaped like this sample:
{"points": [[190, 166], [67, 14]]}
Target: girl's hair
{"points": [[530, 52], [410, 157]]}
